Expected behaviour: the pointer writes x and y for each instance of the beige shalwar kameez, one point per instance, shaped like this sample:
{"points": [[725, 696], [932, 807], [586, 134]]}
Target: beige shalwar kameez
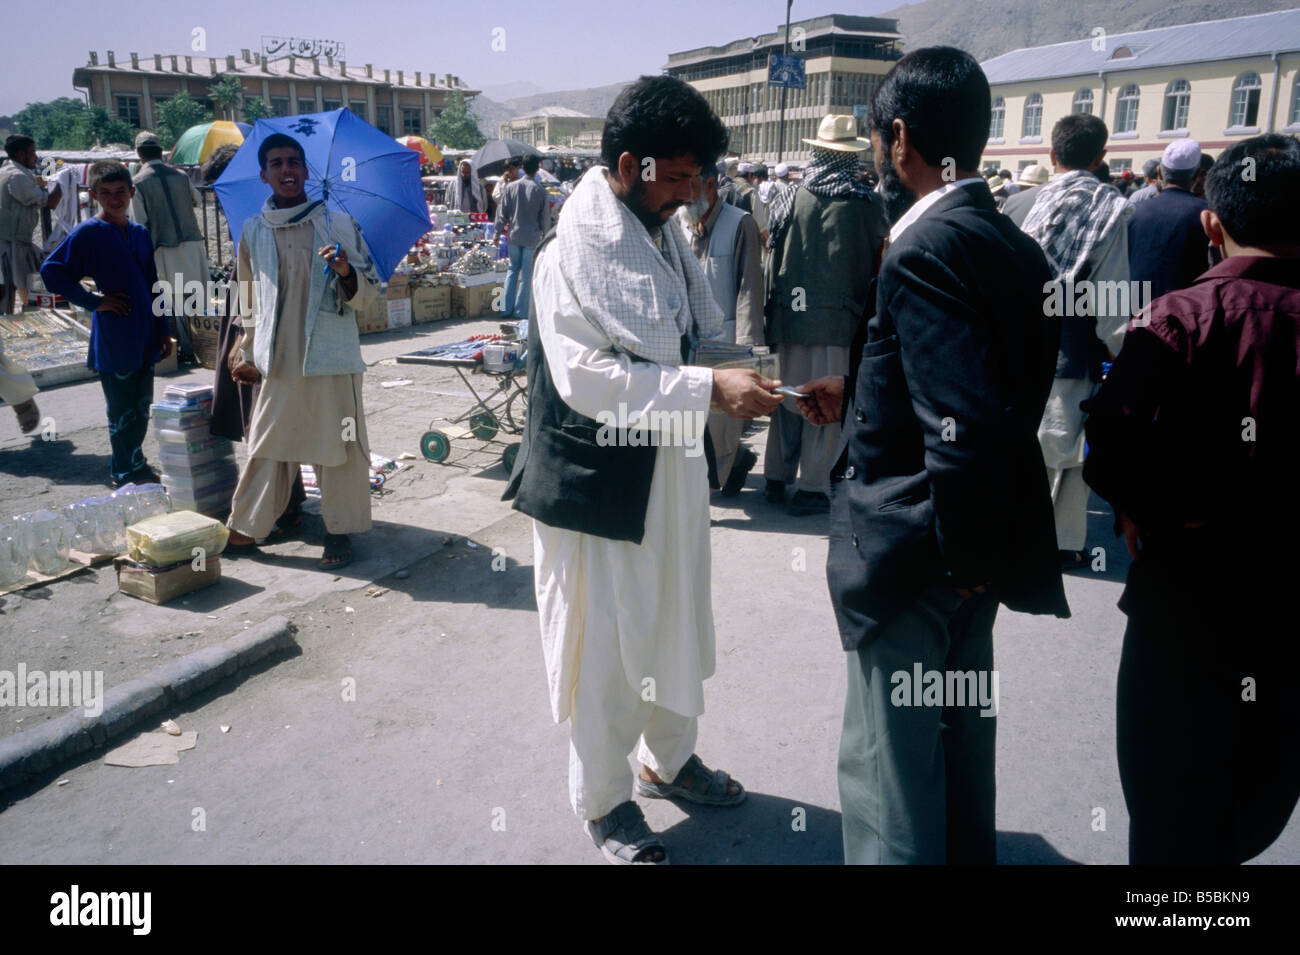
{"points": [[301, 419]]}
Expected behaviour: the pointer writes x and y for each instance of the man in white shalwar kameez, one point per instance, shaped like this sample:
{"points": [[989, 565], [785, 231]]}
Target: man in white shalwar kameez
{"points": [[626, 617], [1081, 224]]}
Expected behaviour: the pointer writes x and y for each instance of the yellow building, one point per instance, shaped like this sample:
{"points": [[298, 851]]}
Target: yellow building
{"points": [[1217, 82], [844, 57], [394, 101]]}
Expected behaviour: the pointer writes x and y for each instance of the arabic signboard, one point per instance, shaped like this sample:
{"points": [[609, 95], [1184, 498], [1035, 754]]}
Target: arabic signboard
{"points": [[280, 47]]}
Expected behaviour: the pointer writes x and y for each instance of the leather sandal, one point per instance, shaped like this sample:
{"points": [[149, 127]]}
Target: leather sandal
{"points": [[624, 838], [708, 786]]}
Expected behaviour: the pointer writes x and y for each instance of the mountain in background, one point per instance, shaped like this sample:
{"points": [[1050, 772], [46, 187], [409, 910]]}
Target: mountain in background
{"points": [[989, 30], [984, 30], [595, 101]]}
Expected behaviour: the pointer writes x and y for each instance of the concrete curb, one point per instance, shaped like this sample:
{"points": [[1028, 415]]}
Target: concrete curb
{"points": [[39, 749]]}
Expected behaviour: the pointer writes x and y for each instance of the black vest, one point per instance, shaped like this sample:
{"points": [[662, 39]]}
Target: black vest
{"points": [[563, 476]]}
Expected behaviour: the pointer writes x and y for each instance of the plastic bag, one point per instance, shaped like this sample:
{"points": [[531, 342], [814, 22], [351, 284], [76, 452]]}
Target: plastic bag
{"points": [[13, 555], [171, 538]]}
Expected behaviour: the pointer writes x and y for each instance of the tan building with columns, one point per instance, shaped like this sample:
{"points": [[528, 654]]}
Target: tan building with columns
{"points": [[396, 101], [1217, 82], [845, 59]]}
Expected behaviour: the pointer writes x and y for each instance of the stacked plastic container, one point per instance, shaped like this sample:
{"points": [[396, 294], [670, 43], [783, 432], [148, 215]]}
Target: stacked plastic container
{"points": [[198, 469]]}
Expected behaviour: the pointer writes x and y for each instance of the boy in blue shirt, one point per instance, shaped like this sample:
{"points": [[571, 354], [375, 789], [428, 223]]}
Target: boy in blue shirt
{"points": [[128, 336]]}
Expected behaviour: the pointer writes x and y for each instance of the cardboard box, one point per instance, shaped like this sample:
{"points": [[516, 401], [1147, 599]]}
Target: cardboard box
{"points": [[205, 333], [399, 285], [399, 312], [430, 303], [373, 318], [160, 586], [475, 301]]}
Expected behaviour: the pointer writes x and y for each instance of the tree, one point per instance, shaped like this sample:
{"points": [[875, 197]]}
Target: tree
{"points": [[54, 125], [227, 93], [457, 126], [178, 114], [96, 127], [255, 108]]}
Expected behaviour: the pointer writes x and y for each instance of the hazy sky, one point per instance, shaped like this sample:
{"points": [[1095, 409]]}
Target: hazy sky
{"points": [[557, 45]]}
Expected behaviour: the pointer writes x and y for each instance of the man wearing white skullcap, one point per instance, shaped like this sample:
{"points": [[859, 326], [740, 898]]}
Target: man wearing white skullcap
{"points": [[1167, 246]]}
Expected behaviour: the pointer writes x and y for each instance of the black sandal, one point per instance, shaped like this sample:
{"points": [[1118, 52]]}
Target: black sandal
{"points": [[337, 549]]}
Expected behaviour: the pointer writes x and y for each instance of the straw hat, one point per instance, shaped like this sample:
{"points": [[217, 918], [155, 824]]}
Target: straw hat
{"points": [[995, 183], [839, 131], [1034, 175]]}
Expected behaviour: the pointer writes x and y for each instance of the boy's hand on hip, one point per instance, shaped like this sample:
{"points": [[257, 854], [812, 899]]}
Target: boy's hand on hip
{"points": [[116, 302]]}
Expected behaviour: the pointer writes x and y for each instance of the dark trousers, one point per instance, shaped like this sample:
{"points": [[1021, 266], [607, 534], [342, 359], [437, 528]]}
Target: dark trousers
{"points": [[1206, 724], [917, 781], [128, 395]]}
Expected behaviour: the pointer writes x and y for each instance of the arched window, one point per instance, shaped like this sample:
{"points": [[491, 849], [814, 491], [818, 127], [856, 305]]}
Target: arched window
{"points": [[1126, 109], [1083, 101], [1033, 121], [1178, 95], [997, 118], [1245, 100]]}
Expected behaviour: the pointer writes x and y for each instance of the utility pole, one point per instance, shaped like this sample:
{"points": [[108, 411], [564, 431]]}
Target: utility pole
{"points": [[785, 51]]}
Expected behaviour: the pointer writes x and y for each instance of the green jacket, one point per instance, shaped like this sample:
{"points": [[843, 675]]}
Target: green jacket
{"points": [[821, 270]]}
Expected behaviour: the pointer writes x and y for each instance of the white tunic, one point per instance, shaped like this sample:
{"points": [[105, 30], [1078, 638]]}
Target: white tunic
{"points": [[655, 596]]}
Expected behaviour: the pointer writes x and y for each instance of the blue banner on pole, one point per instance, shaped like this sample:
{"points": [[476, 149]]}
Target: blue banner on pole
{"points": [[787, 71]]}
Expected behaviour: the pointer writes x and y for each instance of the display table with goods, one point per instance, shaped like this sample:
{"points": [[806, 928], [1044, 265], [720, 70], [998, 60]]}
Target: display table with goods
{"points": [[456, 270], [49, 343]]}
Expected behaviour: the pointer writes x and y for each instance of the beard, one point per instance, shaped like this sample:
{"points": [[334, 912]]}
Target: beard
{"points": [[695, 210], [898, 198], [652, 219]]}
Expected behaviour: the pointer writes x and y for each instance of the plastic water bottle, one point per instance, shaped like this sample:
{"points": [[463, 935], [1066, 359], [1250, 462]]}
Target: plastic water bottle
{"points": [[503, 250]]}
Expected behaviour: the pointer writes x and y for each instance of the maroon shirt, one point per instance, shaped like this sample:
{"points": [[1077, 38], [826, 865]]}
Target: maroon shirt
{"points": [[1199, 418]]}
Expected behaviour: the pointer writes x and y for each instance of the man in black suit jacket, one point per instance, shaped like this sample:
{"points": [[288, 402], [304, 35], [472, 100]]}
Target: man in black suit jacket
{"points": [[940, 506]]}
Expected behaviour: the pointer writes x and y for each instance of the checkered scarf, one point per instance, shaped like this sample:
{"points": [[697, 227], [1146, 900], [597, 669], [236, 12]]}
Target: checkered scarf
{"points": [[644, 300], [831, 173], [1073, 215]]}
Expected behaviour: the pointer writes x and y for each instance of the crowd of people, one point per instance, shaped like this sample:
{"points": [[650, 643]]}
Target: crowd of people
{"points": [[972, 355]]}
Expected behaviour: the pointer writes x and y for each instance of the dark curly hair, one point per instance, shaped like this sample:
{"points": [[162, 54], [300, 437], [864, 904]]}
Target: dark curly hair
{"points": [[662, 117], [217, 162]]}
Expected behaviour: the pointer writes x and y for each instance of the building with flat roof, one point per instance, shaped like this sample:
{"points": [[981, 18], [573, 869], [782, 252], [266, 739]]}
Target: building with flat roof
{"points": [[845, 58], [554, 126], [1217, 82], [395, 101]]}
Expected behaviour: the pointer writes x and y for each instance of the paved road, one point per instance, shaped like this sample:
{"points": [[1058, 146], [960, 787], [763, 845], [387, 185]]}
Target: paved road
{"points": [[448, 753]]}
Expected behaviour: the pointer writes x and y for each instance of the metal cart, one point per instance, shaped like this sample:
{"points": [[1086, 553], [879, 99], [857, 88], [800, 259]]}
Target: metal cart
{"points": [[501, 410]]}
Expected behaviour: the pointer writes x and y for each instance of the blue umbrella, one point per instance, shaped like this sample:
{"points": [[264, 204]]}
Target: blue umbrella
{"points": [[244, 128], [352, 165]]}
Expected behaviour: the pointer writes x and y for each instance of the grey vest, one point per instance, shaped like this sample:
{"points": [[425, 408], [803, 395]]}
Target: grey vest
{"points": [[819, 273], [720, 265], [17, 221], [167, 200]]}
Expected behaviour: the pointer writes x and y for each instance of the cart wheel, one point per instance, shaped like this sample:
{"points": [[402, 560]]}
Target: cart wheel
{"points": [[508, 456], [484, 426], [517, 412], [435, 446]]}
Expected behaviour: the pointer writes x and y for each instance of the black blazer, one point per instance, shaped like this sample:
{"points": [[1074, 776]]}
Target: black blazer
{"points": [[1166, 244], [941, 479]]}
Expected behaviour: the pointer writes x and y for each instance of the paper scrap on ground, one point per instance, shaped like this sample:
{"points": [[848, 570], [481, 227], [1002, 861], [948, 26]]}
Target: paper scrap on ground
{"points": [[152, 749]]}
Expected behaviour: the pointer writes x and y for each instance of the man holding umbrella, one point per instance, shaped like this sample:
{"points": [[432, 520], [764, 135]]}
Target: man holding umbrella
{"points": [[300, 340]]}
